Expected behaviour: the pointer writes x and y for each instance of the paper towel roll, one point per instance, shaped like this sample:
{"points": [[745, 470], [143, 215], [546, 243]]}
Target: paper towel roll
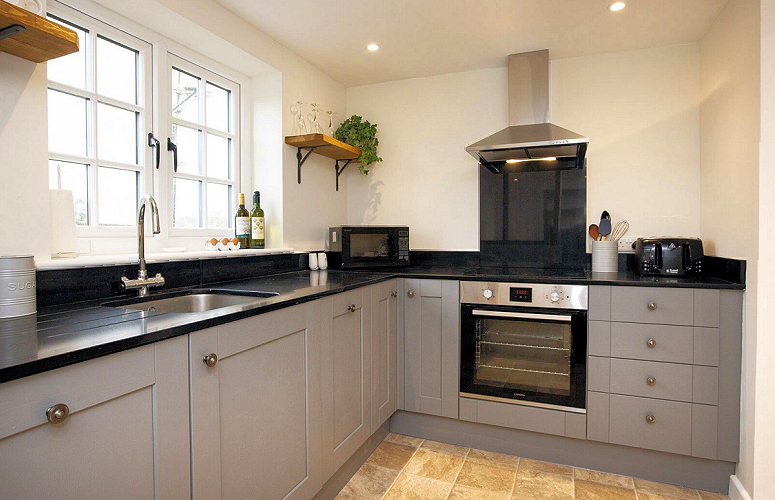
{"points": [[63, 242]]}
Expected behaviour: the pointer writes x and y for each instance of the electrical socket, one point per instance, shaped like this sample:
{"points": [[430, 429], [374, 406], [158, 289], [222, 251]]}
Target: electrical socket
{"points": [[625, 245]]}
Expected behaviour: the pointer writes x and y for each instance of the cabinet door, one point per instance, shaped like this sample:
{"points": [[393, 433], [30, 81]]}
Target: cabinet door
{"points": [[346, 377], [384, 338], [255, 410], [126, 434], [432, 347]]}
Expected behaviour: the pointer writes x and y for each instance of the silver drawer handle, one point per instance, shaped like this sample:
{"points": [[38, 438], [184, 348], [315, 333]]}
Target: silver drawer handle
{"points": [[652, 306], [651, 419], [351, 308], [410, 294], [651, 381], [210, 359], [57, 413], [651, 343]]}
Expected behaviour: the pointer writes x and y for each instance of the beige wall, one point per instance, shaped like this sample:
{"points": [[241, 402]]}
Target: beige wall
{"points": [[639, 108], [764, 454], [729, 148]]}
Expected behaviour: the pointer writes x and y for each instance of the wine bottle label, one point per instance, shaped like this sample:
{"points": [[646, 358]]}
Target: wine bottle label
{"points": [[257, 228], [242, 227]]}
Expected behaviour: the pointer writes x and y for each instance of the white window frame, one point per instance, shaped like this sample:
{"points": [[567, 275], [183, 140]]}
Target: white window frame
{"points": [[205, 75], [159, 101], [144, 107]]}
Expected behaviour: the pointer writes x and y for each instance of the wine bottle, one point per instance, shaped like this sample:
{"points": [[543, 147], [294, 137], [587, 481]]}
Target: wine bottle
{"points": [[242, 223], [257, 228]]}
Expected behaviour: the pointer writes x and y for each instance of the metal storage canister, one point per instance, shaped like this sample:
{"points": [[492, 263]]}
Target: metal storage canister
{"points": [[17, 286]]}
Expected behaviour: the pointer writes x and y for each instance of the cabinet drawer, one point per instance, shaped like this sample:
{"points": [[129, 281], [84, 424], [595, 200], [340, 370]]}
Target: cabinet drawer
{"points": [[669, 306], [650, 379], [670, 429], [344, 301], [23, 402], [674, 344]]}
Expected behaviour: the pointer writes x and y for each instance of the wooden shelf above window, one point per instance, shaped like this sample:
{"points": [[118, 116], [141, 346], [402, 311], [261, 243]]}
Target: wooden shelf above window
{"points": [[40, 41], [323, 145]]}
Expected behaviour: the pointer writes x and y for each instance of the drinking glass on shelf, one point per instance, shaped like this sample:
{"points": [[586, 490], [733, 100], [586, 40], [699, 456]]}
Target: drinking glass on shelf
{"points": [[314, 124], [299, 123], [331, 122]]}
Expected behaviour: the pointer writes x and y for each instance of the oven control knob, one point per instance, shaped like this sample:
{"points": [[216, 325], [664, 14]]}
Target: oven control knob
{"points": [[554, 297], [487, 293]]}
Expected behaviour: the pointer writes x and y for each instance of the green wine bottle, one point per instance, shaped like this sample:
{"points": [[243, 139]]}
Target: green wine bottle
{"points": [[257, 227], [242, 223]]}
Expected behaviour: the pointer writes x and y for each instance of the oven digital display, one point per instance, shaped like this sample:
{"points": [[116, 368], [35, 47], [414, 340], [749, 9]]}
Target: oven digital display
{"points": [[520, 294]]}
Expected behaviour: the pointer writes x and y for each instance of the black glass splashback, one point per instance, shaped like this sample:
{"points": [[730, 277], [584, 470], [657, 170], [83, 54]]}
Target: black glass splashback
{"points": [[533, 219]]}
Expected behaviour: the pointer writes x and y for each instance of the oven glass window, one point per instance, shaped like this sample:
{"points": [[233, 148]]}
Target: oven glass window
{"points": [[523, 355], [370, 245]]}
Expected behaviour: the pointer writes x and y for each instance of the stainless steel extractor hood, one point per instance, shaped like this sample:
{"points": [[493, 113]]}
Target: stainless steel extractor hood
{"points": [[530, 142]]}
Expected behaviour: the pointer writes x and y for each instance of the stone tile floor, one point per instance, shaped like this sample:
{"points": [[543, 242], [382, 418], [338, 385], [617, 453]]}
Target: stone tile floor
{"points": [[408, 468]]}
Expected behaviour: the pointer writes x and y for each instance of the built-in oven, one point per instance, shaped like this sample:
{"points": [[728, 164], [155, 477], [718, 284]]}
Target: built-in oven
{"points": [[368, 246], [524, 344]]}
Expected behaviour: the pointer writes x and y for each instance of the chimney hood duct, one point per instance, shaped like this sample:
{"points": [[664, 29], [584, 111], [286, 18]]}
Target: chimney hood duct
{"points": [[530, 142]]}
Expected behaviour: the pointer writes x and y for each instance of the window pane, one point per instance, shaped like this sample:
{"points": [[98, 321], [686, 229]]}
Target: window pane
{"points": [[66, 123], [217, 103], [185, 96], [218, 156], [70, 69], [117, 196], [186, 200], [116, 134], [116, 71], [75, 179], [187, 141], [218, 206]]}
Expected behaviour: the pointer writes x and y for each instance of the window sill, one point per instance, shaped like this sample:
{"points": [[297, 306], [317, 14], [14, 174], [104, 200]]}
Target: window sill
{"points": [[151, 258]]}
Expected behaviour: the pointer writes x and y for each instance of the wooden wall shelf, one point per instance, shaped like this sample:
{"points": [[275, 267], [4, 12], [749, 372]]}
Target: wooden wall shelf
{"points": [[323, 145], [38, 39]]}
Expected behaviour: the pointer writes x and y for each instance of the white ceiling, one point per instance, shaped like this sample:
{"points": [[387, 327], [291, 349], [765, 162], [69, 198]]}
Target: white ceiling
{"points": [[430, 37]]}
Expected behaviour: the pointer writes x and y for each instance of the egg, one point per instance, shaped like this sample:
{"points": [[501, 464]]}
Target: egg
{"points": [[225, 241], [213, 241], [235, 241]]}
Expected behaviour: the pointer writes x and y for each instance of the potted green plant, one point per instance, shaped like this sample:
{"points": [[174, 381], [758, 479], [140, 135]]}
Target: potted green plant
{"points": [[363, 135]]}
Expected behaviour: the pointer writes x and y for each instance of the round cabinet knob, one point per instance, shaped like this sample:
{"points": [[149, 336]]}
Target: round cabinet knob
{"points": [[652, 306], [210, 359], [651, 381], [651, 343], [651, 419], [410, 294], [351, 308], [394, 294], [487, 293], [554, 297], [57, 413]]}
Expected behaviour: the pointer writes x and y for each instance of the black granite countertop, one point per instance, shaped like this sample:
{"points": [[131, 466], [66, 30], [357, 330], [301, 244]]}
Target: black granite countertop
{"points": [[65, 334]]}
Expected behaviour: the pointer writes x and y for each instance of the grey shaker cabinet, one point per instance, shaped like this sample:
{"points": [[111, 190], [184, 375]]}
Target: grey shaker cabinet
{"points": [[384, 351], [346, 375], [126, 435], [431, 346], [255, 411]]}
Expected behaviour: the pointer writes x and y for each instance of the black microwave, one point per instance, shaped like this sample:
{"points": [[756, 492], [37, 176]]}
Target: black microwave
{"points": [[368, 246]]}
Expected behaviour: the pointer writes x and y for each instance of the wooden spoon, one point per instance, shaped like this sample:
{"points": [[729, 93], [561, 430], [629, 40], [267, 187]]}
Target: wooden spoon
{"points": [[594, 231]]}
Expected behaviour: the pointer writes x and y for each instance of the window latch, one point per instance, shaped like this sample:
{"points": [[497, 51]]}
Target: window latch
{"points": [[172, 147], [154, 143]]}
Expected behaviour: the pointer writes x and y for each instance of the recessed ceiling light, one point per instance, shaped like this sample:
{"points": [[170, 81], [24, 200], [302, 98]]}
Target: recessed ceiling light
{"points": [[617, 6], [548, 158], [373, 47]]}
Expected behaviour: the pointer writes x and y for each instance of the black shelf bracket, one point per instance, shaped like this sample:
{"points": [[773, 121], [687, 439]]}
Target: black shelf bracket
{"points": [[301, 159], [340, 170]]}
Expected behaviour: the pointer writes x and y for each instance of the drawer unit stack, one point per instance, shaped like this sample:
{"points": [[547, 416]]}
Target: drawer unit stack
{"points": [[663, 369]]}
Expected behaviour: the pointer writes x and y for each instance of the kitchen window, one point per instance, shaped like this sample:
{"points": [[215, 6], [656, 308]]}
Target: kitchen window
{"points": [[98, 111], [103, 101], [203, 127]]}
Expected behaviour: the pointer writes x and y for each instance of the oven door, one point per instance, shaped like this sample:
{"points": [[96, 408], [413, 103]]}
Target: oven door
{"points": [[524, 355], [374, 246]]}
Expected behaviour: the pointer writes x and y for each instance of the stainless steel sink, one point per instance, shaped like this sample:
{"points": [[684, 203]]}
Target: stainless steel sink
{"points": [[194, 303]]}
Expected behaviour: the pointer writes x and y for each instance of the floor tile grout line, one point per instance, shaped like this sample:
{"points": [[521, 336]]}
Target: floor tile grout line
{"points": [[454, 482], [402, 469]]}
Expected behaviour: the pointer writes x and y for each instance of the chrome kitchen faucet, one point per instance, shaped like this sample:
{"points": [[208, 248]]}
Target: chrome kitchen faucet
{"points": [[142, 283]]}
